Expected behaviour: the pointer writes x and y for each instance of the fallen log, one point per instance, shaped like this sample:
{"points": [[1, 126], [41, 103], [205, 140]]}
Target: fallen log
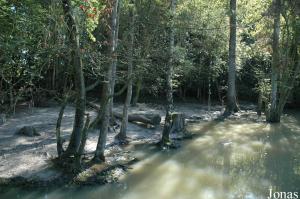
{"points": [[153, 119]]}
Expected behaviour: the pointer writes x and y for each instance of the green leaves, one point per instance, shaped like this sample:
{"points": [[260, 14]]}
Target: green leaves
{"points": [[89, 11]]}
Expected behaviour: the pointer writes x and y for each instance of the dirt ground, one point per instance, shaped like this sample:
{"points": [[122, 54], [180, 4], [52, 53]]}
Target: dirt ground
{"points": [[29, 157]]}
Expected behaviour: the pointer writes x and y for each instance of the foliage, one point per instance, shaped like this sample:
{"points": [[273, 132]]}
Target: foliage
{"points": [[34, 52]]}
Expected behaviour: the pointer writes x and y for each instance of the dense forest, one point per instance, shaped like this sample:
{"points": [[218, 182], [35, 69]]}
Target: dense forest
{"points": [[119, 70]]}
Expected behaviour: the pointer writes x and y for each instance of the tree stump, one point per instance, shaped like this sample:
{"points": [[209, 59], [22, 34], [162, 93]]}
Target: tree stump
{"points": [[2, 119], [178, 125], [29, 131]]}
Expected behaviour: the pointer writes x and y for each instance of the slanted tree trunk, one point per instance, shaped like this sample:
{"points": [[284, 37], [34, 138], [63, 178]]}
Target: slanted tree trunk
{"points": [[104, 119], [231, 93], [169, 109], [273, 115], [76, 62], [122, 134]]}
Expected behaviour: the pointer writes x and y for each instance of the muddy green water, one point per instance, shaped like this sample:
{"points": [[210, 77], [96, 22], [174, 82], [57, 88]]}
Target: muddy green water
{"points": [[227, 160]]}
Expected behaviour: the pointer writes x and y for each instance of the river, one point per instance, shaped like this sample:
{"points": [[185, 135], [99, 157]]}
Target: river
{"points": [[225, 160]]}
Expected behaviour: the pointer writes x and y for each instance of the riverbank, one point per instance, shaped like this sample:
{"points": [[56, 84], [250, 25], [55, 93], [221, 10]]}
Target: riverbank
{"points": [[28, 160]]}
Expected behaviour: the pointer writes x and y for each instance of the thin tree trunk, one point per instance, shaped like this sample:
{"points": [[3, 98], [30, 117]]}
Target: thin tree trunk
{"points": [[273, 115], [83, 140], [53, 77], [259, 103], [122, 134], [59, 143], [167, 127], [104, 121], [198, 93], [137, 92], [209, 94], [180, 92], [114, 46], [11, 99], [286, 93], [108, 86], [219, 92], [79, 78], [231, 93]]}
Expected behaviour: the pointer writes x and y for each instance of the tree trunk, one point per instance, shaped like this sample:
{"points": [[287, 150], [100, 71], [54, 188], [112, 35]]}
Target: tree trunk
{"points": [[209, 94], [122, 134], [273, 115], [180, 92], [167, 127], [198, 94], [137, 92], [231, 93], [114, 46], [12, 107], [259, 103], [79, 78], [104, 121], [285, 93], [83, 140], [59, 143]]}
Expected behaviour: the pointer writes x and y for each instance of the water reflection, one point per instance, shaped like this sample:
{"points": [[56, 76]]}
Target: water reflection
{"points": [[227, 160], [226, 150]]}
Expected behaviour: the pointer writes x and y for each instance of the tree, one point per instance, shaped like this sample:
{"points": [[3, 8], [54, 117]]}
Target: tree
{"points": [[231, 92], [108, 86], [76, 62], [114, 46], [169, 75], [104, 118], [285, 61], [21, 54], [273, 115], [122, 134]]}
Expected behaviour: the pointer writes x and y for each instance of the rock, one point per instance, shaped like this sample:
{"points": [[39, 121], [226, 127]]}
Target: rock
{"points": [[29, 131], [2, 118]]}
